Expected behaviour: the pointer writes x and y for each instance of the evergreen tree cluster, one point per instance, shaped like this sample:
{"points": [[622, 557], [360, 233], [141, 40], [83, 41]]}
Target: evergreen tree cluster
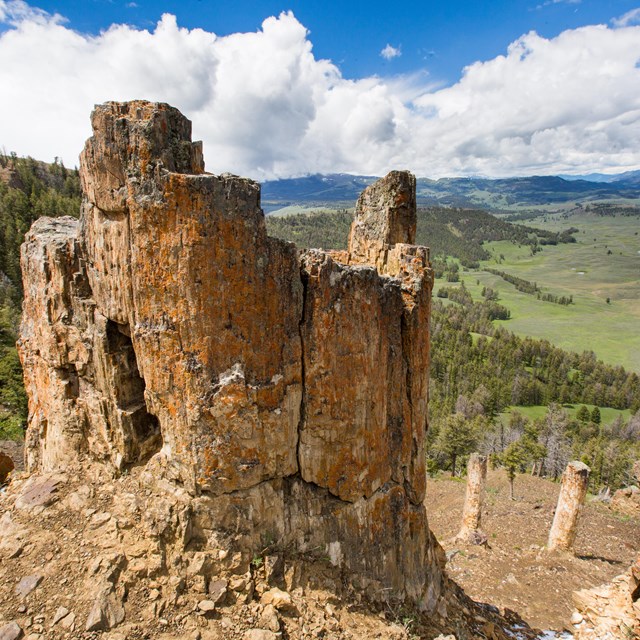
{"points": [[328, 230], [531, 288], [609, 209], [478, 371], [447, 232]]}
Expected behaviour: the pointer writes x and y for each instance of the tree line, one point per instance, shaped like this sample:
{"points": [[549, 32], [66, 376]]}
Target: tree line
{"points": [[478, 371], [531, 288]]}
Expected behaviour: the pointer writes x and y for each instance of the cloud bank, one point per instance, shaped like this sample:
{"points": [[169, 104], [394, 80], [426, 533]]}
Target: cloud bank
{"points": [[266, 107]]}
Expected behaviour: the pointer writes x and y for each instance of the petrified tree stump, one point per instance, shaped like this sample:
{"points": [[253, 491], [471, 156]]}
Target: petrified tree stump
{"points": [[572, 493], [471, 515], [283, 390]]}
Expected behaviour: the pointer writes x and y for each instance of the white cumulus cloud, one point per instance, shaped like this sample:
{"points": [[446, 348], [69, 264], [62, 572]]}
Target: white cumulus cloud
{"points": [[390, 52], [266, 107]]}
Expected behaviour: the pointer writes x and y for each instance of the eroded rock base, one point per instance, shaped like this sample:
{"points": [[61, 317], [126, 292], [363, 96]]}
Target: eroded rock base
{"points": [[84, 556], [610, 611]]}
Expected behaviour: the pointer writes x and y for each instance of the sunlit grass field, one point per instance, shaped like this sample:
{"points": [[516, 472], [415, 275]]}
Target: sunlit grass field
{"points": [[536, 412], [603, 263]]}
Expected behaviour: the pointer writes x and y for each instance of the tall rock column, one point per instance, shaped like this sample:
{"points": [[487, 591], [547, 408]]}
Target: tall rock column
{"points": [[385, 216], [180, 261]]}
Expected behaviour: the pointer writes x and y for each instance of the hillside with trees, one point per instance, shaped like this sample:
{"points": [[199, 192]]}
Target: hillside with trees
{"points": [[447, 232]]}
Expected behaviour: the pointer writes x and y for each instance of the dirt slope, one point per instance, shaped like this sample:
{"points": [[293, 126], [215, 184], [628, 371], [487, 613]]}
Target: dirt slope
{"points": [[515, 571]]}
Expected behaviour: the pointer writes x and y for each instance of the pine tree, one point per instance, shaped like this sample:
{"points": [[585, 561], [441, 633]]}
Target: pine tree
{"points": [[513, 460], [583, 414], [456, 438]]}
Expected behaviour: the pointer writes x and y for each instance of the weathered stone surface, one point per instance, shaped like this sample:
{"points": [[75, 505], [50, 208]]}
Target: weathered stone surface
{"points": [[610, 610], [285, 395], [573, 490], [472, 513], [107, 611], [39, 492], [277, 598], [28, 584], [61, 612], [355, 391], [206, 606], [11, 631], [366, 397], [385, 216], [217, 590], [181, 262], [269, 619]]}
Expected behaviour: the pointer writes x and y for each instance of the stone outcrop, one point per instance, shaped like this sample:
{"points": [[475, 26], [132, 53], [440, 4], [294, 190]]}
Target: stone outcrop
{"points": [[573, 490], [285, 392], [470, 530], [6, 467], [626, 501], [609, 611]]}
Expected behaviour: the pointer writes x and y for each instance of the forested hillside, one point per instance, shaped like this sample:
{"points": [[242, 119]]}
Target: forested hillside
{"points": [[481, 373], [447, 232], [28, 189]]}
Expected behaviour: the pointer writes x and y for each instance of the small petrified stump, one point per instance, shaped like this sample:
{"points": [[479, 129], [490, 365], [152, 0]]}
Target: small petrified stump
{"points": [[572, 493], [471, 515], [6, 466]]}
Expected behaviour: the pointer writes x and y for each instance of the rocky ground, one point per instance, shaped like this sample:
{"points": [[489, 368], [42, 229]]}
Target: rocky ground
{"points": [[513, 570], [86, 556]]}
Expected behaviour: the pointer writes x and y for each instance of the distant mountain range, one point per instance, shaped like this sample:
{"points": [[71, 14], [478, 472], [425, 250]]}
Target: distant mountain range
{"points": [[499, 195], [628, 177]]}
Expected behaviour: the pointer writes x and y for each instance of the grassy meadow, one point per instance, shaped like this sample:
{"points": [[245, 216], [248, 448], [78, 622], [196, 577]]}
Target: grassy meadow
{"points": [[603, 263], [537, 412]]}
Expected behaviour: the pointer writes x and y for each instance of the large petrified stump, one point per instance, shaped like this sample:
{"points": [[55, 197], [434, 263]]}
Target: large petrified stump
{"points": [[285, 392], [573, 490]]}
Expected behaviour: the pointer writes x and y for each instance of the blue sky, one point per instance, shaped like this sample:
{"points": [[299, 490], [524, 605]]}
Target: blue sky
{"points": [[438, 37], [276, 90]]}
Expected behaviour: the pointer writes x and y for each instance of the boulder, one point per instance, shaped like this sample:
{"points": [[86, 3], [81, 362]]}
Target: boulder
{"points": [[626, 501]]}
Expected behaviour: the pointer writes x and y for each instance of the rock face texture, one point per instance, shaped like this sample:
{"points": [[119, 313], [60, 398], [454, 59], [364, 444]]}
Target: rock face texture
{"points": [[627, 501], [611, 610], [286, 393], [573, 490]]}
